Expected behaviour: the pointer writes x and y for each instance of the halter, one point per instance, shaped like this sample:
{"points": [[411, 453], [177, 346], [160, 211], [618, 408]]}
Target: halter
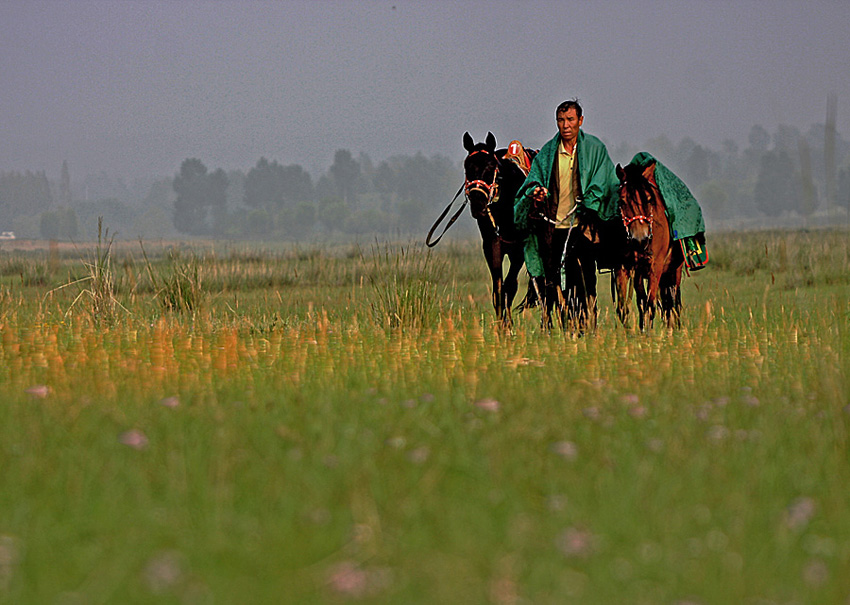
{"points": [[490, 190], [639, 218]]}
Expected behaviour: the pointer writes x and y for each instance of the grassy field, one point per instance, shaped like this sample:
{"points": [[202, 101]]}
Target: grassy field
{"points": [[230, 424]]}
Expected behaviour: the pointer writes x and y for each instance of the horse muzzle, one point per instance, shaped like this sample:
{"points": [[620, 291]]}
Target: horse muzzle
{"points": [[638, 228]]}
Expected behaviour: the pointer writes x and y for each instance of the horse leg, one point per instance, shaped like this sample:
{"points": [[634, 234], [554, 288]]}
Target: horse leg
{"points": [[621, 284], [573, 292], [671, 296], [511, 283], [652, 299], [494, 262], [640, 295], [588, 301], [497, 295], [679, 263]]}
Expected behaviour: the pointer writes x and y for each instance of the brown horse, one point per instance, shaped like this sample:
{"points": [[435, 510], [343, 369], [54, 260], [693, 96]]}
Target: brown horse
{"points": [[491, 184], [653, 260]]}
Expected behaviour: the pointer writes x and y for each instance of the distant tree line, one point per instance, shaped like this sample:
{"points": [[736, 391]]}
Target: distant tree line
{"points": [[787, 173], [23, 193], [399, 195]]}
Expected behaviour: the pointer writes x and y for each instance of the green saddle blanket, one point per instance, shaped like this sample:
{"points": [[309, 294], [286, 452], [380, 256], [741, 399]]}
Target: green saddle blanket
{"points": [[683, 211]]}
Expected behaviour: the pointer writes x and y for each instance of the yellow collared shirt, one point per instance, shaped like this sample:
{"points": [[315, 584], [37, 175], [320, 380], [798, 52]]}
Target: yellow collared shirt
{"points": [[566, 186]]}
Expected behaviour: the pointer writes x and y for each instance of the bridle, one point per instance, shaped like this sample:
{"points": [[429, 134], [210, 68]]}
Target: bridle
{"points": [[489, 190], [638, 218]]}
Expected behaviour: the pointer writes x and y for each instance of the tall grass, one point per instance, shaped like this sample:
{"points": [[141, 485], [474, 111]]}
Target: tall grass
{"points": [[179, 286], [97, 299], [296, 453], [406, 282]]}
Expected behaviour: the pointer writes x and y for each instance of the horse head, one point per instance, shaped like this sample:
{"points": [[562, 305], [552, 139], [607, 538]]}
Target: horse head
{"points": [[639, 201], [481, 173]]}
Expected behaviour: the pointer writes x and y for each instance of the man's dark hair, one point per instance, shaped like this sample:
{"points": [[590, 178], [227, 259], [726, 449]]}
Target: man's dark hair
{"points": [[567, 105]]}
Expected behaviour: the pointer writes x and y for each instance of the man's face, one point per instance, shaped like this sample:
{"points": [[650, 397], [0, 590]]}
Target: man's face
{"points": [[568, 124]]}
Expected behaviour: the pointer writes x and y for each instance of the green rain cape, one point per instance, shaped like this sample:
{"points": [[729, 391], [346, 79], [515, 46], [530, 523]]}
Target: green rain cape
{"points": [[683, 211], [598, 188]]}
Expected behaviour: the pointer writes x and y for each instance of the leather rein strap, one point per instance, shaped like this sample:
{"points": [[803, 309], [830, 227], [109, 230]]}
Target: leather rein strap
{"points": [[488, 189], [428, 241]]}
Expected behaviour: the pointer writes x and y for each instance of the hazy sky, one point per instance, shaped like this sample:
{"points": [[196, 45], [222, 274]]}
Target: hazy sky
{"points": [[135, 87]]}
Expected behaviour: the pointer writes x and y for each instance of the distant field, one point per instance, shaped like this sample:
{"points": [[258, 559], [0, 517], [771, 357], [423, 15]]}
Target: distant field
{"points": [[230, 423]]}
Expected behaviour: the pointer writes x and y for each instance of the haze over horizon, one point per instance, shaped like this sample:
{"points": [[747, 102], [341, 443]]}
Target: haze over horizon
{"points": [[133, 88]]}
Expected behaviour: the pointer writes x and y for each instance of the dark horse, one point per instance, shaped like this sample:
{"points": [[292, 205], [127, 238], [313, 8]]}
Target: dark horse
{"points": [[653, 260], [571, 256], [491, 184]]}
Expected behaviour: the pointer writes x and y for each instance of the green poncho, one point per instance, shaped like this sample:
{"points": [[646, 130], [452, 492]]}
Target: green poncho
{"points": [[597, 188], [683, 211]]}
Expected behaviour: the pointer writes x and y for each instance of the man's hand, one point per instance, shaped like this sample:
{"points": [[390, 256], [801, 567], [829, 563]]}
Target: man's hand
{"points": [[538, 196], [538, 201]]}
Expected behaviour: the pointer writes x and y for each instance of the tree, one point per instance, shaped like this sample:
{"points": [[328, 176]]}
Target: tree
{"points": [[23, 194], [808, 192], [297, 221], [217, 200], [697, 168], [345, 174], [272, 186], [759, 138], [49, 225], [68, 225], [843, 198], [411, 188], [333, 214], [731, 168], [759, 141], [235, 189], [786, 139], [189, 207], [201, 204], [65, 185], [714, 198], [154, 222], [258, 222], [662, 148], [161, 193], [778, 186], [261, 190], [367, 221], [384, 182]]}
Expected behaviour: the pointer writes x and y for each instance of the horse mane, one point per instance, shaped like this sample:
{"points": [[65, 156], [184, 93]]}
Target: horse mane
{"points": [[635, 180]]}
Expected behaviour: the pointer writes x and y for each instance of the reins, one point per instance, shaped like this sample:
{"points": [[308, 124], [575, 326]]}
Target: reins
{"points": [[428, 241], [490, 190]]}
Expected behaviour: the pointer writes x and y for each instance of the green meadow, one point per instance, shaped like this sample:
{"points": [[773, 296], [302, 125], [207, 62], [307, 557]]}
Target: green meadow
{"points": [[221, 422]]}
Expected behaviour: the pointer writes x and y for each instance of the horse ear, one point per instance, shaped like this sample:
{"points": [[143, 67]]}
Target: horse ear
{"points": [[620, 172], [490, 141], [468, 143]]}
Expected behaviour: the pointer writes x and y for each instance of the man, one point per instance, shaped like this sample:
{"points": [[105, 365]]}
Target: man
{"points": [[572, 182]]}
